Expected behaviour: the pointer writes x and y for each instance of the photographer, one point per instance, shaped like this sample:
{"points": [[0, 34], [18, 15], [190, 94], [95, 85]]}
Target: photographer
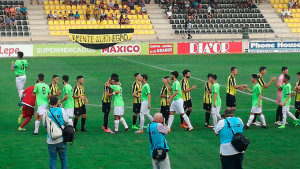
{"points": [[158, 143], [230, 158]]}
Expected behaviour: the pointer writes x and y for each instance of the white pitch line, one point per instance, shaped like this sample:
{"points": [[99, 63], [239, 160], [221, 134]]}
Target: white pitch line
{"points": [[156, 67]]}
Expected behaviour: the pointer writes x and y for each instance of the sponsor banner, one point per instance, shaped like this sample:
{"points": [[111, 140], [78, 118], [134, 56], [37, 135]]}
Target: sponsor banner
{"points": [[161, 49], [274, 47], [77, 50], [12, 50], [209, 47]]}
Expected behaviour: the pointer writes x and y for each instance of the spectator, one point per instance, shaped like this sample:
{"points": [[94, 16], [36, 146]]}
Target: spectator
{"points": [[116, 5], [123, 10], [96, 12], [195, 14], [144, 10], [36, 1], [156, 134], [23, 10], [77, 16], [114, 16], [190, 13], [122, 20], [283, 14], [110, 5], [250, 4], [127, 21], [50, 16], [186, 4], [208, 12], [7, 21], [71, 15], [12, 21], [2, 23], [188, 28], [6, 11], [291, 4], [66, 16], [18, 10], [60, 15], [230, 158], [102, 5], [56, 146], [128, 11], [169, 14], [67, 2], [88, 12], [74, 2], [200, 5], [130, 4], [289, 13], [103, 16], [12, 11], [55, 15], [82, 2]]}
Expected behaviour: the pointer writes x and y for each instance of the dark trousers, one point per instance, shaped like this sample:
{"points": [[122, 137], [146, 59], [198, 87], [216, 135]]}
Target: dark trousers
{"points": [[233, 161]]}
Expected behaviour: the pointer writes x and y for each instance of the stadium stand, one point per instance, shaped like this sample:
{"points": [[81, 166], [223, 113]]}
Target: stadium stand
{"points": [[14, 21]]}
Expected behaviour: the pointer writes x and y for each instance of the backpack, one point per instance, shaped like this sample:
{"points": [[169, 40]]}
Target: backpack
{"points": [[53, 130]]}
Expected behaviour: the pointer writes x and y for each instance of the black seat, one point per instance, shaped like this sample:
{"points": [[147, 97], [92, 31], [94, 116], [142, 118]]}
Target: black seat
{"points": [[25, 28], [24, 23], [3, 34], [23, 17], [14, 34], [20, 28], [8, 28], [10, 3], [8, 34], [4, 3], [14, 28], [15, 2], [26, 33], [173, 26], [2, 28]]}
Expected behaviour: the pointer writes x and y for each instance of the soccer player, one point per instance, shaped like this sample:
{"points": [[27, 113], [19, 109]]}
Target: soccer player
{"points": [[256, 102], [106, 104], [177, 102], [80, 101], [261, 82], [54, 86], [231, 89], [28, 101], [284, 71], [165, 93], [42, 92], [286, 101], [136, 94], [118, 102], [297, 98], [207, 100], [216, 100], [146, 103], [68, 101], [186, 95], [20, 67]]}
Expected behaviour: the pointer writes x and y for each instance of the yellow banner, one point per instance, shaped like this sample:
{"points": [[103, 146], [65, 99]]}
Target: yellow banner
{"points": [[100, 39]]}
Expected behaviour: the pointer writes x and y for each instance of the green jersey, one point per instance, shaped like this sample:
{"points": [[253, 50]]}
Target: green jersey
{"points": [[42, 91], [216, 89], [69, 103], [286, 90], [145, 92], [176, 87], [117, 98], [20, 67], [256, 91]]}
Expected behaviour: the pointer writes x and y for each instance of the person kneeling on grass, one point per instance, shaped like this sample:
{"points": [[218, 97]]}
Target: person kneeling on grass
{"points": [[56, 146]]}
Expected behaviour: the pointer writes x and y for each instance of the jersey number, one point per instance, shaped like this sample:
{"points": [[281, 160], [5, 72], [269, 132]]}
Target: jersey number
{"points": [[22, 67], [44, 90]]}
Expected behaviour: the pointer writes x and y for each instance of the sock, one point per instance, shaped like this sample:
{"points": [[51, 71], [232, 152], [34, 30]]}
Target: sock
{"points": [[283, 117], [149, 117], [20, 91], [82, 123], [36, 126], [166, 116], [122, 120], [277, 113], [214, 118], [263, 120], [187, 120], [254, 120], [105, 120], [171, 119], [280, 113], [297, 114], [291, 115], [181, 120], [116, 125], [25, 122], [250, 120], [134, 118], [142, 121], [70, 122], [188, 113], [75, 123], [207, 115]]}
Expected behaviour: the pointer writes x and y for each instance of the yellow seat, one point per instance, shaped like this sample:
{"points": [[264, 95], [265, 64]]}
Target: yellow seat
{"points": [[291, 20], [63, 28], [47, 7], [116, 22], [298, 10], [101, 26], [84, 27], [275, 6], [285, 6], [55, 23], [112, 26], [128, 26], [104, 22], [133, 26], [73, 26], [47, 12], [52, 7], [298, 25], [57, 28], [77, 22], [139, 27], [140, 17], [290, 25], [80, 12], [276, 1], [52, 33], [295, 25], [135, 32], [147, 32], [64, 33], [83, 22], [51, 28], [96, 26], [142, 22], [51, 3], [56, 2], [46, 2], [88, 22], [79, 27], [57, 7], [136, 22], [106, 26], [79, 7], [134, 17], [90, 27], [294, 10], [63, 7], [69, 7], [67, 27], [152, 32], [67, 22], [298, 30], [133, 11], [50, 22], [281, 1], [141, 32], [286, 1], [150, 27], [278, 10], [61, 22], [81, 17], [129, 17], [280, 5], [74, 7], [286, 20], [58, 33], [72, 22], [146, 17], [294, 30], [123, 26], [145, 27], [84, 7], [110, 22]]}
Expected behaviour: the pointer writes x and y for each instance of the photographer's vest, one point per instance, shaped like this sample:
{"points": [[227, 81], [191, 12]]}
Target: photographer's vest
{"points": [[226, 134], [57, 112], [158, 140]]}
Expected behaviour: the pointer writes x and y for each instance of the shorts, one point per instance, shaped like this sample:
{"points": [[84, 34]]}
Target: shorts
{"points": [[165, 109], [80, 110], [106, 107], [136, 107], [187, 104], [285, 108], [42, 109], [230, 100], [144, 108], [27, 111], [70, 112], [297, 105], [256, 109], [20, 82], [177, 106], [207, 106], [118, 111], [216, 109]]}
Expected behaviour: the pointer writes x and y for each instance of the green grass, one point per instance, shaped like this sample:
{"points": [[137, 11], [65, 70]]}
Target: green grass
{"points": [[271, 148]]}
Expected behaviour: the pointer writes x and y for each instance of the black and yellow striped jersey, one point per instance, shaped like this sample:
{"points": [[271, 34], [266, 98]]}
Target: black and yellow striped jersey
{"points": [[78, 91], [137, 87], [105, 98], [53, 89], [230, 83], [207, 93], [297, 98], [164, 91], [261, 81], [184, 86]]}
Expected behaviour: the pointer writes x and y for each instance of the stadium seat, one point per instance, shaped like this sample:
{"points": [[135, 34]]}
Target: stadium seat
{"points": [[52, 33], [51, 28]]}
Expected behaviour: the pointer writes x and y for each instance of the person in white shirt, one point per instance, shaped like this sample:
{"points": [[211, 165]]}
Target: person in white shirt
{"points": [[169, 14], [288, 13], [283, 14]]}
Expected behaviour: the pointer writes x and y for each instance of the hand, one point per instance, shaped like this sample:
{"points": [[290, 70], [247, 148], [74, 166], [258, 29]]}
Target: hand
{"points": [[59, 104], [82, 97], [58, 93], [215, 105], [284, 103], [241, 89], [258, 105], [273, 79], [86, 101], [164, 80], [245, 86], [149, 106], [169, 101], [194, 87]]}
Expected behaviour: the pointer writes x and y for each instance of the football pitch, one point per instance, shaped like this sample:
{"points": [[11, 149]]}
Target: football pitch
{"points": [[270, 148]]}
